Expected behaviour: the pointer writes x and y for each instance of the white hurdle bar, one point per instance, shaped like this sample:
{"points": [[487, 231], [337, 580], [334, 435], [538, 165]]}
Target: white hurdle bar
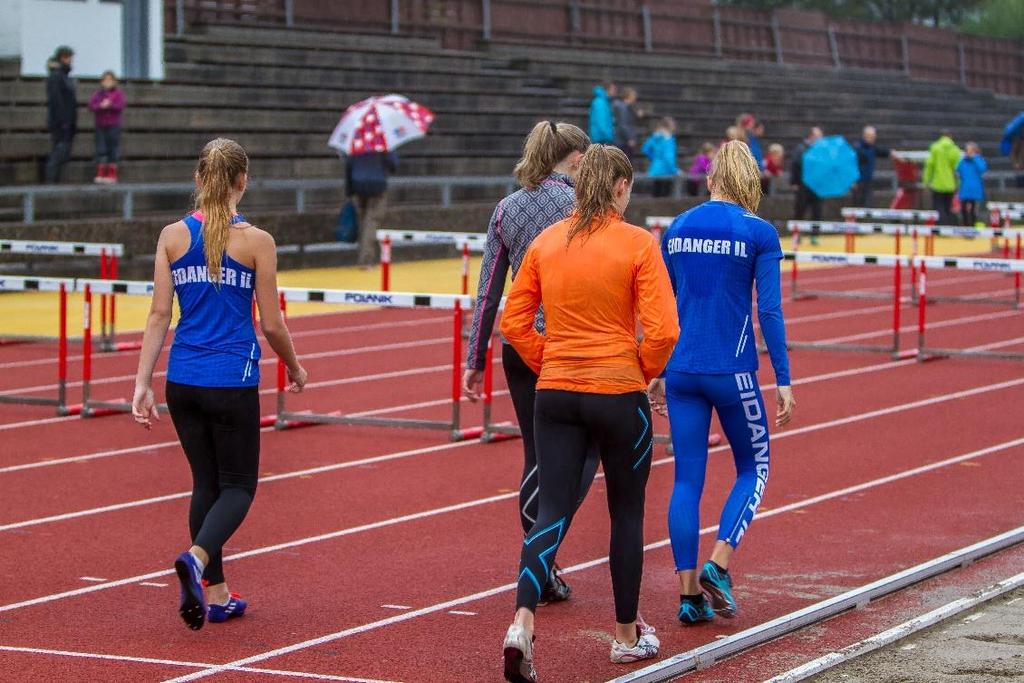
{"points": [[856, 213]]}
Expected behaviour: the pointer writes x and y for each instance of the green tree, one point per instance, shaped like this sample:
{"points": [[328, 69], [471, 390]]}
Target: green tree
{"points": [[933, 12], [997, 19]]}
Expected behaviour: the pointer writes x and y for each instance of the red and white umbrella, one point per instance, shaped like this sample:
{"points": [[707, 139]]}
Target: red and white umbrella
{"points": [[380, 124]]}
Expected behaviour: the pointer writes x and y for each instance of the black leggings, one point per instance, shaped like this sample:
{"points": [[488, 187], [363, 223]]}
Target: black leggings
{"points": [[522, 386], [566, 424], [219, 430], [969, 212]]}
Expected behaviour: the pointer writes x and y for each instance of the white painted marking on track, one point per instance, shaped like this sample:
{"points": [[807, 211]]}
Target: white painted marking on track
{"points": [[356, 630], [973, 617], [37, 423], [92, 578], [1010, 602], [462, 613], [153, 584], [399, 607], [404, 454], [186, 664]]}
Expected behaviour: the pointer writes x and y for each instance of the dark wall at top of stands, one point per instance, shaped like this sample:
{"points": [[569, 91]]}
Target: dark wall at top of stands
{"points": [[694, 27]]}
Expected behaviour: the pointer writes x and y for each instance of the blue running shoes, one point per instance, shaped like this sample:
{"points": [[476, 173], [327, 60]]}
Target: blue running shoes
{"points": [[193, 600], [694, 611], [717, 583], [221, 613]]}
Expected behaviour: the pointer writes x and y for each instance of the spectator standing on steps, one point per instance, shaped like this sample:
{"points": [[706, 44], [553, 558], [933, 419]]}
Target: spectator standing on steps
{"points": [[972, 188], [867, 153], [366, 182], [805, 198], [61, 111], [627, 122], [602, 117], [940, 175], [107, 103], [660, 149]]}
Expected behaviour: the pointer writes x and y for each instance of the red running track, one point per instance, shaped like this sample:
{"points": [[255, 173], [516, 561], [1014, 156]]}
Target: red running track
{"points": [[388, 554]]}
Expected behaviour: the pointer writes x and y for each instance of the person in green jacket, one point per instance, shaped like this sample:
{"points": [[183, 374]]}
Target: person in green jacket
{"points": [[940, 175]]}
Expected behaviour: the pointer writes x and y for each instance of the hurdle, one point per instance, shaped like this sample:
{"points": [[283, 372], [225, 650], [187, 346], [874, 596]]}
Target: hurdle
{"points": [[896, 230], [91, 407], [465, 242], [1001, 213], [108, 254], [658, 225], [12, 283], [927, 217], [456, 303], [924, 352], [893, 261]]}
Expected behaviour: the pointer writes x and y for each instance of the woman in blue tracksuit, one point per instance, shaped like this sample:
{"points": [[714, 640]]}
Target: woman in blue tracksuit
{"points": [[715, 253]]}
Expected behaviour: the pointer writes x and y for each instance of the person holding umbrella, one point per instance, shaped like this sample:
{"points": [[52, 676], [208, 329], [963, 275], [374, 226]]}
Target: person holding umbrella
{"points": [[368, 134], [804, 198], [828, 169]]}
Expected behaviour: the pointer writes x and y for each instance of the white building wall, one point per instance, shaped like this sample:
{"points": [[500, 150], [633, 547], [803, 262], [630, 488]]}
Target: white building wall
{"points": [[91, 28], [156, 39], [10, 28]]}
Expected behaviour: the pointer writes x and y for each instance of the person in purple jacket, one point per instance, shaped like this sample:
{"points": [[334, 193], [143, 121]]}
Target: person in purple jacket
{"points": [[107, 103]]}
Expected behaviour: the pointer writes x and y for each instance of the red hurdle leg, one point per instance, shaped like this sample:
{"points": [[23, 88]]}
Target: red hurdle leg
{"points": [[385, 264]]}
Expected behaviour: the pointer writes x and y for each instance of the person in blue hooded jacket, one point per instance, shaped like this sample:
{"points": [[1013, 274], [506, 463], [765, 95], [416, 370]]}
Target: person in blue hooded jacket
{"points": [[970, 170], [602, 118], [660, 149]]}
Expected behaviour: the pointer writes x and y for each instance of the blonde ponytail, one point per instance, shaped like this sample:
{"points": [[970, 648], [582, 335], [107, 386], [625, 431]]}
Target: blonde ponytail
{"points": [[221, 163], [735, 176], [545, 147], [601, 167]]}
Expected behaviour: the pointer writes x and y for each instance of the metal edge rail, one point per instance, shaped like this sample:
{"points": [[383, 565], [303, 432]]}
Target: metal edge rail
{"points": [[705, 656]]}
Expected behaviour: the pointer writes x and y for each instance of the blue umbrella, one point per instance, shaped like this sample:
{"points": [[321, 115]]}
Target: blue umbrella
{"points": [[1012, 131], [830, 167]]}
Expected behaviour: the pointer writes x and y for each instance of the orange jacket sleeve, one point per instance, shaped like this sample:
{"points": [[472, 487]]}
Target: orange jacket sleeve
{"points": [[520, 310], [656, 307]]}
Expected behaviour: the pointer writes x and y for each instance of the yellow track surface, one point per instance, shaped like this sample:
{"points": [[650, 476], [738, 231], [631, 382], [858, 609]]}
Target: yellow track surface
{"points": [[35, 313]]}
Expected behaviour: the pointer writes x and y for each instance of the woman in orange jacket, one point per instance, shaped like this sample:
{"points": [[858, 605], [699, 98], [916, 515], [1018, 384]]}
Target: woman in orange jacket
{"points": [[595, 276]]}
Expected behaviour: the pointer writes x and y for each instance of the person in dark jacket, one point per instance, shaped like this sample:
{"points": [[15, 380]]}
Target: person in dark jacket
{"points": [[805, 198], [107, 103], [366, 181], [627, 122], [867, 153], [61, 111]]}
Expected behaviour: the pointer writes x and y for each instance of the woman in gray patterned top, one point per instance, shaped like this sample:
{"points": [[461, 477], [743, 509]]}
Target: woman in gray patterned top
{"points": [[546, 172]]}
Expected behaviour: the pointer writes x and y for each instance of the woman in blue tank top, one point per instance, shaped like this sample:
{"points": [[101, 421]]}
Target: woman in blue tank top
{"points": [[215, 263], [716, 253]]}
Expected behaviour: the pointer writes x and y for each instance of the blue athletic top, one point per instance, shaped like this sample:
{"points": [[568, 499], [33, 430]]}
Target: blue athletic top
{"points": [[714, 253], [215, 342]]}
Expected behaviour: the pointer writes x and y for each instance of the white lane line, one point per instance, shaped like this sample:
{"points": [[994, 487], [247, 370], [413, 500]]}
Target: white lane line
{"points": [[462, 613], [387, 457], [403, 454], [189, 665], [457, 602], [37, 423], [398, 607], [96, 579], [899, 632], [153, 584], [484, 501]]}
